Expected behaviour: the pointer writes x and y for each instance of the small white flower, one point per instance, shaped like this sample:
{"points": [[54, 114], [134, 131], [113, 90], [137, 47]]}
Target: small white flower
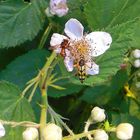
{"points": [[2, 130], [98, 114], [80, 45], [137, 63], [124, 131], [136, 53], [100, 135], [57, 7], [52, 132], [30, 133]]}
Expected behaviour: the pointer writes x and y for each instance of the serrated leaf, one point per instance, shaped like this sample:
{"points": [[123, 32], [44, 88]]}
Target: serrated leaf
{"points": [[24, 67], [20, 21], [13, 108], [104, 13]]}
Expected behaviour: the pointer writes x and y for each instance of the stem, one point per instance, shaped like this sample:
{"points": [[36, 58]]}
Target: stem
{"points": [[45, 36], [43, 117], [78, 136], [43, 87]]}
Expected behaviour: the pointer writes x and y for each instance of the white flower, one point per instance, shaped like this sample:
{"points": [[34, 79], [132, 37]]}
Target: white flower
{"points": [[100, 135], [52, 132], [2, 130], [81, 46], [57, 7], [124, 131], [136, 53], [137, 63], [30, 133], [98, 114]]}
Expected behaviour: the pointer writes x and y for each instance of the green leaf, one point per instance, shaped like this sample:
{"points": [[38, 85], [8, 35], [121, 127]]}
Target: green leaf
{"points": [[104, 13], [102, 94], [20, 21], [24, 67], [13, 108]]}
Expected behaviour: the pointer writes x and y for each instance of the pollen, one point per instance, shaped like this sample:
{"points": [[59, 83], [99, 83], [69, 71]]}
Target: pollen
{"points": [[80, 48]]}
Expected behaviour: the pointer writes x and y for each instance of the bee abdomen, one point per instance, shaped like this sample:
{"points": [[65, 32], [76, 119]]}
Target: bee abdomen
{"points": [[82, 74]]}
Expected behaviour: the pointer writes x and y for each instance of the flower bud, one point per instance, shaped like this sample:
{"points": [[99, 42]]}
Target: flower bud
{"points": [[2, 130], [136, 53], [52, 132], [124, 131], [30, 133], [97, 114], [137, 63], [57, 7], [100, 135]]}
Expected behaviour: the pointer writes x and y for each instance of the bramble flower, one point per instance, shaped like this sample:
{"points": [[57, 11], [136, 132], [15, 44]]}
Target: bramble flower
{"points": [[100, 135], [30, 133], [57, 7], [98, 114], [52, 132], [136, 53], [80, 46], [2, 130], [124, 131], [137, 63]]}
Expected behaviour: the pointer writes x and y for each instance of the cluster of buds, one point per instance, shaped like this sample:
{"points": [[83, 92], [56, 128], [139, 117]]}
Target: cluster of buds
{"points": [[136, 55], [50, 132], [124, 131], [57, 7]]}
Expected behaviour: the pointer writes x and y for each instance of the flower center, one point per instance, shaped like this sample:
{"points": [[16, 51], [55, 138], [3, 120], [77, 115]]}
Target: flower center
{"points": [[80, 49]]}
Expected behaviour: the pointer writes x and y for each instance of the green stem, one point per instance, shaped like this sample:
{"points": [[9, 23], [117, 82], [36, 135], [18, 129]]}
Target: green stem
{"points": [[43, 117], [78, 136], [43, 87], [45, 36]]}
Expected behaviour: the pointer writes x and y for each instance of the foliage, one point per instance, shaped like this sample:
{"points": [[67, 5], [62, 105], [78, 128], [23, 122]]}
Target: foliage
{"points": [[27, 66]]}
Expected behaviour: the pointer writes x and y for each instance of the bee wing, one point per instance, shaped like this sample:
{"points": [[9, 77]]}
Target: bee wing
{"points": [[99, 42], [56, 48]]}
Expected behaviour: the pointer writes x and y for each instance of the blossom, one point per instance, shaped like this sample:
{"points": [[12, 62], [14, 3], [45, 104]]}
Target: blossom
{"points": [[85, 46], [137, 63], [2, 130], [30, 133], [57, 7], [98, 114], [100, 135], [124, 131], [136, 53], [52, 132]]}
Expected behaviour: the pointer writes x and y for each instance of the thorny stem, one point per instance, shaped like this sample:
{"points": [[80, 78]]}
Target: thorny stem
{"points": [[43, 88]]}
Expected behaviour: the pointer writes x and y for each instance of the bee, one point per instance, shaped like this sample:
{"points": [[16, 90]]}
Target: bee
{"points": [[81, 68], [64, 45]]}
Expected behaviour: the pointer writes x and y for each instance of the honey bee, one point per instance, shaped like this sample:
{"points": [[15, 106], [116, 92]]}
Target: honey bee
{"points": [[63, 46]]}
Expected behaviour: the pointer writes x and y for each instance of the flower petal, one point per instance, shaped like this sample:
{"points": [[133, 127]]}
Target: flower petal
{"points": [[58, 7], [99, 42], [74, 29], [68, 63], [57, 39], [92, 68]]}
